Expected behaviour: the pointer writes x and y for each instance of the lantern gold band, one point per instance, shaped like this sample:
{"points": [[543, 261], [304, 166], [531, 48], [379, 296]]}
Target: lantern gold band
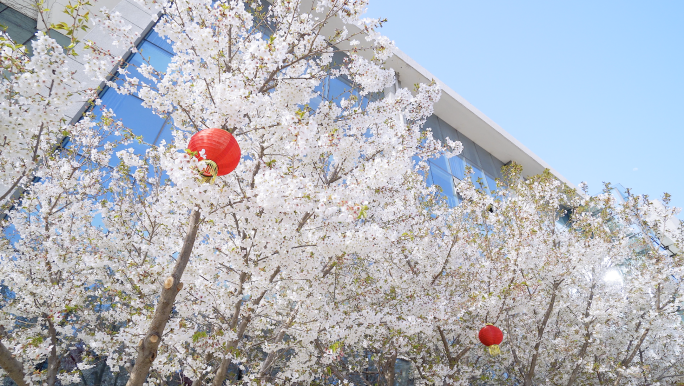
{"points": [[207, 167], [494, 350]]}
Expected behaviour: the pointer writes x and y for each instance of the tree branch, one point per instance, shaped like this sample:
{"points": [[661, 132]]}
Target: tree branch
{"points": [[540, 334], [628, 359], [268, 363], [225, 362], [306, 217], [388, 368], [587, 338], [446, 260], [446, 347], [14, 185], [147, 348]]}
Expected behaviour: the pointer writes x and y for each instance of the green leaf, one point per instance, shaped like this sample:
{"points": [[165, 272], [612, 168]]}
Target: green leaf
{"points": [[198, 335], [363, 213], [335, 346]]}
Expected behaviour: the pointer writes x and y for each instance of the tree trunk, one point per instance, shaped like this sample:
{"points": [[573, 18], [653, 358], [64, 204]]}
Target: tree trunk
{"points": [[389, 368], [12, 366], [147, 348], [53, 360]]}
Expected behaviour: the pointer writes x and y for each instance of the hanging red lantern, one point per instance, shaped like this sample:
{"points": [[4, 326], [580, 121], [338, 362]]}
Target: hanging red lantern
{"points": [[491, 337], [218, 153]]}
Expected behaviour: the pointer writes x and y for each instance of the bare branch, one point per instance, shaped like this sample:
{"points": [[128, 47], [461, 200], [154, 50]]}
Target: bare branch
{"points": [[540, 334], [587, 337]]}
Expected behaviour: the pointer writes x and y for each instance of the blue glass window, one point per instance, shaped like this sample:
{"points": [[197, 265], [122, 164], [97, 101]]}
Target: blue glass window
{"points": [[133, 115], [341, 87], [158, 58], [165, 134], [446, 182], [457, 167], [148, 54], [316, 101], [491, 182], [432, 122], [478, 177], [337, 89], [158, 41], [128, 108], [440, 162]]}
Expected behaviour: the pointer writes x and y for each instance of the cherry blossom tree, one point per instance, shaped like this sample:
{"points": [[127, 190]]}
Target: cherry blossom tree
{"points": [[130, 256], [324, 257], [582, 303]]}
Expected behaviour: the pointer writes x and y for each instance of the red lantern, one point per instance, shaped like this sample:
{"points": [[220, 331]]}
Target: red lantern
{"points": [[218, 153], [491, 337]]}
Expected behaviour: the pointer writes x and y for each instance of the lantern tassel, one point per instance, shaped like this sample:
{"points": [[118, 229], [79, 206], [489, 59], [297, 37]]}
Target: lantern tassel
{"points": [[208, 170], [494, 350]]}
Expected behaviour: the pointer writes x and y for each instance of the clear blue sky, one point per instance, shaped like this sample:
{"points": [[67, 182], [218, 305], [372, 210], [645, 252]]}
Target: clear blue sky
{"points": [[595, 88]]}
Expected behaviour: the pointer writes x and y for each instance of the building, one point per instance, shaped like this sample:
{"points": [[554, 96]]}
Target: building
{"points": [[487, 147]]}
